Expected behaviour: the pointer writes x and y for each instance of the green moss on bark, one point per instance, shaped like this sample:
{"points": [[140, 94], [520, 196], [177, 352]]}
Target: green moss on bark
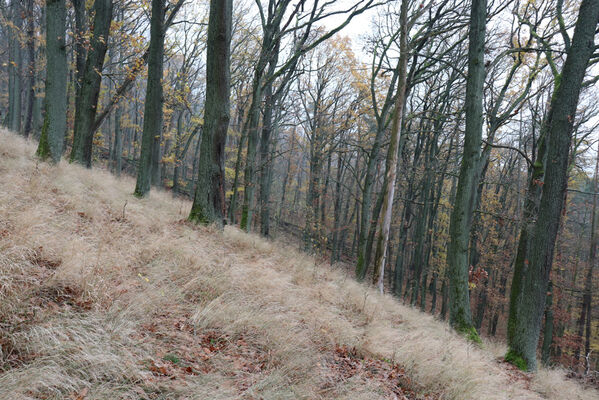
{"points": [[43, 149], [470, 333], [244, 224], [198, 217], [360, 268], [516, 359]]}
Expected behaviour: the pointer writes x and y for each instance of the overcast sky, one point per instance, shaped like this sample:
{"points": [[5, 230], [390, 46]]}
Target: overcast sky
{"points": [[358, 26]]}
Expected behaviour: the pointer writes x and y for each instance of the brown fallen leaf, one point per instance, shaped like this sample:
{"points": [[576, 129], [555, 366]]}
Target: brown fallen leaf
{"points": [[80, 395]]}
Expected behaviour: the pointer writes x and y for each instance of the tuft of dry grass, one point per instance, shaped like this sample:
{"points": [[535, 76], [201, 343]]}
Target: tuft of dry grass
{"points": [[106, 296]]}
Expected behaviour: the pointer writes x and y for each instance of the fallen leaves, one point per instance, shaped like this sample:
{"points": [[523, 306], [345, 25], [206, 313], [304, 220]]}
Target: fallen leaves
{"points": [[348, 362], [79, 395], [182, 352]]}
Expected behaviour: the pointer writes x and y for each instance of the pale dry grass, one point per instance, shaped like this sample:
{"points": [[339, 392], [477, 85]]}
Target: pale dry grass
{"points": [[83, 284]]}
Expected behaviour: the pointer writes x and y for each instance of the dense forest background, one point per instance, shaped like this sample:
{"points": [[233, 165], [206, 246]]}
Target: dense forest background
{"points": [[315, 127]]}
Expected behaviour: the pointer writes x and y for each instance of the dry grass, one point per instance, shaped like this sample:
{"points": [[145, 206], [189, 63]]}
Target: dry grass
{"points": [[101, 303]]}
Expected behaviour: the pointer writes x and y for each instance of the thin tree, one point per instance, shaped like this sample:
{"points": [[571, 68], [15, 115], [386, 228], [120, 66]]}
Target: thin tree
{"points": [[209, 200], [13, 117], [392, 155]]}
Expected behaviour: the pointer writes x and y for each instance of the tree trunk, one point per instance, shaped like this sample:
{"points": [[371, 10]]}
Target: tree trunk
{"points": [[152, 127], [584, 322], [80, 51], [87, 97], [55, 103], [286, 177], [265, 161], [252, 142], [558, 126], [15, 68], [30, 69], [392, 155], [337, 209], [118, 143], [236, 179], [548, 334], [209, 200], [461, 216], [434, 293], [366, 212]]}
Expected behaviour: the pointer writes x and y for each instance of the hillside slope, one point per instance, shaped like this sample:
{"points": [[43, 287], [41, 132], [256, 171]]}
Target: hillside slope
{"points": [[104, 296]]}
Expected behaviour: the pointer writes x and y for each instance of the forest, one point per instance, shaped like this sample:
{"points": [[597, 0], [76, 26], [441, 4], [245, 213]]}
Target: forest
{"points": [[444, 152]]}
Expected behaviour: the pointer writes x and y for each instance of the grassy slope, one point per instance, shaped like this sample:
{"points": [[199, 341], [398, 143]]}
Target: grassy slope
{"points": [[98, 303]]}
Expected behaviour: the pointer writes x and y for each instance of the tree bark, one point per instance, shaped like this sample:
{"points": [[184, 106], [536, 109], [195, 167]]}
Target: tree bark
{"points": [[392, 155], [87, 96], [460, 224], [152, 125], [55, 102], [28, 128], [14, 68], [209, 200], [265, 162], [558, 126], [584, 322], [548, 333]]}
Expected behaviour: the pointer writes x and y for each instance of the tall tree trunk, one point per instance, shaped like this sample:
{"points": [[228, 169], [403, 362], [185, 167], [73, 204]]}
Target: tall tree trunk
{"points": [[237, 176], [252, 142], [55, 102], [80, 48], [548, 333], [461, 216], [366, 211], [209, 200], [15, 68], [588, 287], [433, 290], [558, 126], [392, 155], [30, 69], [178, 159], [152, 126], [87, 97], [118, 142], [311, 236], [584, 322], [286, 177], [265, 161], [337, 209]]}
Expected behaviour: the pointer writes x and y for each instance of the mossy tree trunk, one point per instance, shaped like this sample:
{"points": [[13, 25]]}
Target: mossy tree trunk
{"points": [[152, 125], [209, 200], [525, 325], [461, 217], [55, 103], [87, 96]]}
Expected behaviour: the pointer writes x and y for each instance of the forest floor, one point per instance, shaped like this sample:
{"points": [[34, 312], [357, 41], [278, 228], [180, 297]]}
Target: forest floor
{"points": [[105, 296]]}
